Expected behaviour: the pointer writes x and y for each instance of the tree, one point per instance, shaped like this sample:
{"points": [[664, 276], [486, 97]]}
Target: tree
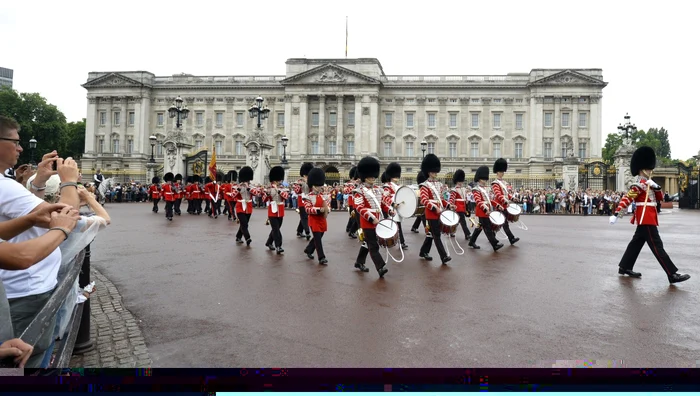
{"points": [[654, 138], [74, 140]]}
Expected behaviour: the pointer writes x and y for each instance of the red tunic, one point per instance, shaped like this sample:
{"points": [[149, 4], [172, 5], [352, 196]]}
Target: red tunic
{"points": [[177, 189], [483, 204], [388, 197], [458, 199], [154, 191], [212, 190], [501, 196], [168, 192], [227, 191], [638, 193], [367, 207], [313, 204], [197, 192], [298, 188], [349, 189], [280, 205], [430, 201], [238, 197]]}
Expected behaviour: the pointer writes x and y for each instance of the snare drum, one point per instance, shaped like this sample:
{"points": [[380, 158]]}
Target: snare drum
{"points": [[387, 233], [449, 220], [407, 199], [497, 220], [513, 213]]}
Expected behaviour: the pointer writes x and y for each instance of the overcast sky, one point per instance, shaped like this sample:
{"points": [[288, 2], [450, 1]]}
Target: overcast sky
{"points": [[646, 49]]}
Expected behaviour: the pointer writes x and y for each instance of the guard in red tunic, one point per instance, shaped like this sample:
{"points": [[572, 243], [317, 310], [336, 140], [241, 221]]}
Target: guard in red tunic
{"points": [[168, 192], [154, 192], [317, 208], [431, 198], [243, 195], [301, 188], [484, 206], [227, 189], [197, 195], [275, 197], [178, 193], [502, 195], [368, 205], [647, 196], [349, 190], [212, 190], [393, 175], [187, 191], [458, 198]]}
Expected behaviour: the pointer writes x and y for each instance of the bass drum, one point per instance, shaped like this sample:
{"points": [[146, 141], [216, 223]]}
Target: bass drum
{"points": [[497, 220], [407, 199], [513, 213], [387, 233], [449, 220]]}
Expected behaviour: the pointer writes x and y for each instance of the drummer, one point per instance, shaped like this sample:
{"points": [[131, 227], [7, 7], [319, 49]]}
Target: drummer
{"points": [[502, 195], [431, 198], [367, 199], [420, 179], [458, 197], [484, 207], [390, 179]]}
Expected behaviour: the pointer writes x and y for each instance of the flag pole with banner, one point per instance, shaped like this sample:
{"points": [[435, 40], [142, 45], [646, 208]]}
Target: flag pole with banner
{"points": [[212, 165]]}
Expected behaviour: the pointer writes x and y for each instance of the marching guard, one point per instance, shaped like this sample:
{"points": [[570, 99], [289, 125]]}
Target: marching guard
{"points": [[228, 191], [420, 179], [431, 198], [317, 208], [205, 196], [197, 195], [275, 197], [458, 198], [213, 190], [301, 188], [168, 192], [367, 199], [178, 194], [154, 192], [502, 195], [484, 207], [389, 204], [243, 195], [648, 197], [349, 190]]}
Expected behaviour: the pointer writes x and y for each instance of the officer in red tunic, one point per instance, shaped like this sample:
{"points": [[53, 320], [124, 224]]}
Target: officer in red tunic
{"points": [[228, 188], [502, 195], [420, 179], [648, 196], [484, 206], [275, 198], [187, 192], [154, 192], [243, 195], [349, 190], [168, 192], [431, 198], [368, 205], [301, 188], [197, 195], [458, 198], [178, 193], [393, 175], [317, 208], [213, 189]]}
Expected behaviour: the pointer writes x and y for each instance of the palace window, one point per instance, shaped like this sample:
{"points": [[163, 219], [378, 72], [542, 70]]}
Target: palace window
{"points": [[519, 121], [239, 147], [115, 145], [474, 150], [453, 120], [548, 150], [497, 120], [351, 118], [431, 147], [475, 120], [409, 120], [333, 119], [103, 118], [350, 149], [388, 149], [130, 146], [280, 120], [332, 148], [565, 120], [239, 119], [497, 150], [160, 119], [409, 149], [116, 118], [547, 120], [219, 146], [219, 120], [431, 120], [159, 149], [388, 120], [453, 150], [582, 150], [280, 148], [314, 119], [564, 149], [101, 146], [314, 147], [582, 120], [518, 150], [198, 144], [199, 119], [132, 118]]}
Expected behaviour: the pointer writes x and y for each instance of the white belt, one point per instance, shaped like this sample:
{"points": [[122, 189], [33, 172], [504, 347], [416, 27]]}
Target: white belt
{"points": [[460, 200], [646, 204]]}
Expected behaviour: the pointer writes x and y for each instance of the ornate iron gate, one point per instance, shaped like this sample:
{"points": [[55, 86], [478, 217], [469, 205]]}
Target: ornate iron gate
{"points": [[197, 164], [688, 187], [595, 175]]}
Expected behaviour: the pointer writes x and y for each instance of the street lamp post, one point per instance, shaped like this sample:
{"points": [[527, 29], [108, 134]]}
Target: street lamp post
{"points": [[259, 111], [153, 140], [423, 147], [628, 129], [179, 111], [285, 139], [32, 146]]}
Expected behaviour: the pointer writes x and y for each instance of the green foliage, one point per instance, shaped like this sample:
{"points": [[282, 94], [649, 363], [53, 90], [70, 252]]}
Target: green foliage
{"points": [[654, 138], [44, 122]]}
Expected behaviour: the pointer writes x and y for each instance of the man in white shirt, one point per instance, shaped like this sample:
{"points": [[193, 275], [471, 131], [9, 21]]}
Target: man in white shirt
{"points": [[28, 290]]}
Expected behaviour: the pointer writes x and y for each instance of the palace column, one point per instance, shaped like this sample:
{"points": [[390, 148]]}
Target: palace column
{"points": [[595, 127], [123, 120], [339, 126], [91, 125], [358, 125], [293, 142], [303, 128], [374, 124], [321, 124]]}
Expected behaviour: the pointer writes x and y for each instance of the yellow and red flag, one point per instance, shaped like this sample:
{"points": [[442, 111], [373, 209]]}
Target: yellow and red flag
{"points": [[212, 165]]}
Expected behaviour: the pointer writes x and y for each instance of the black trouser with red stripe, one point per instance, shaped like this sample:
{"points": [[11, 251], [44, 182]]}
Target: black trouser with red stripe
{"points": [[275, 233], [155, 204], [435, 232], [316, 244], [371, 247], [419, 219], [650, 235], [463, 223]]}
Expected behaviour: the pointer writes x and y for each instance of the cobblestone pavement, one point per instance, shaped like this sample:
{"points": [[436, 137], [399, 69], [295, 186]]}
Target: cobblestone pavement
{"points": [[114, 330]]}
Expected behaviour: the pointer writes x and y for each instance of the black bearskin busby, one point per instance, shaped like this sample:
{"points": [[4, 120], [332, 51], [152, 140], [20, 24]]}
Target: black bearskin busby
{"points": [[231, 176], [207, 180], [431, 163], [305, 169], [385, 178], [178, 177], [643, 158], [196, 179], [219, 176], [317, 177], [353, 173], [393, 170], [368, 167], [421, 178], [246, 174], [168, 177], [189, 179], [276, 174], [458, 176], [155, 180], [482, 173], [501, 165]]}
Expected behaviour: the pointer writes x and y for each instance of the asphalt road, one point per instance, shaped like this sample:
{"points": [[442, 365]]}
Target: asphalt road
{"points": [[553, 298]]}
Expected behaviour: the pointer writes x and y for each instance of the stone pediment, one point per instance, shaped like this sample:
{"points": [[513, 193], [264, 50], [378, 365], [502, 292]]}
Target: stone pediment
{"points": [[569, 78], [112, 80], [330, 74]]}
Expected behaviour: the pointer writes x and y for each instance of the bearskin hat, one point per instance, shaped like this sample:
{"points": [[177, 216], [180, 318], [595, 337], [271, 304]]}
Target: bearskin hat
{"points": [[189, 179], [231, 176], [155, 180], [482, 173], [246, 174], [168, 177], [276, 174], [643, 158], [178, 177], [458, 176], [219, 176], [421, 178], [501, 165], [368, 167], [317, 177], [393, 170], [353, 173], [431, 163], [207, 180], [196, 179], [305, 169], [385, 178]]}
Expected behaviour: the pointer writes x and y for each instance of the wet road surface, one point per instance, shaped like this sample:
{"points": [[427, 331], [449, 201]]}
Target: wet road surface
{"points": [[205, 301]]}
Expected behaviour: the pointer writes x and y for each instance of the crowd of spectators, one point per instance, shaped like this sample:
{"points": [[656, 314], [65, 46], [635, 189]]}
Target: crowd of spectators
{"points": [[41, 233]]}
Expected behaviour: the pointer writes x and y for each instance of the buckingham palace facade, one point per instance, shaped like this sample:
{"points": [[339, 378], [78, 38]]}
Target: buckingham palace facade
{"points": [[335, 111]]}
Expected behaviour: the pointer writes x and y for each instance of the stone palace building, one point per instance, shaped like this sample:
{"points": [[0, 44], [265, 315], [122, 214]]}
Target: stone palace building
{"points": [[334, 111]]}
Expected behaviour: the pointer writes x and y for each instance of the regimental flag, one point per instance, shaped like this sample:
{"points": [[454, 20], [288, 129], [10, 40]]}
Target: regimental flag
{"points": [[212, 165]]}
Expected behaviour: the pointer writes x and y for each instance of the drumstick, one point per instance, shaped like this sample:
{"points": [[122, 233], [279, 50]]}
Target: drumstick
{"points": [[385, 226]]}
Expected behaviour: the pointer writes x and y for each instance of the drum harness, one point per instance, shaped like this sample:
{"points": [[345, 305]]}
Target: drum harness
{"points": [[521, 225]]}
